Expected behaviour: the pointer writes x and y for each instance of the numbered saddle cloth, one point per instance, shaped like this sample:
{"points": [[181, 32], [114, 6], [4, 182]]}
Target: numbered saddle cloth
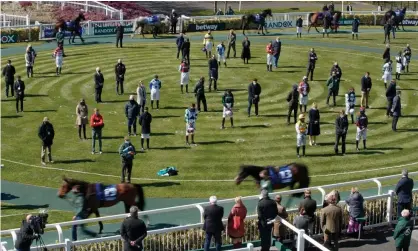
{"points": [[106, 193], [258, 18], [152, 19], [284, 176]]}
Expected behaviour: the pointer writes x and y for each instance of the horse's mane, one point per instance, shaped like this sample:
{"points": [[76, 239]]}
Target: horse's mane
{"points": [[76, 182]]}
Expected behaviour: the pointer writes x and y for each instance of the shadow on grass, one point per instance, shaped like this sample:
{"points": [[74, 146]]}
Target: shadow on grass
{"points": [[253, 126], [408, 130], [161, 184], [11, 116], [165, 117], [378, 123], [170, 148], [112, 137], [74, 161], [162, 133], [367, 239], [46, 110], [35, 95], [114, 101], [367, 152], [233, 90], [377, 108], [216, 142], [274, 116], [7, 196], [23, 207], [410, 116], [175, 107], [384, 148]]}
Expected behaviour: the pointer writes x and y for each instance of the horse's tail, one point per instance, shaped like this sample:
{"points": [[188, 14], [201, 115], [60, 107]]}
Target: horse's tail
{"points": [[312, 18], [140, 203], [243, 21]]}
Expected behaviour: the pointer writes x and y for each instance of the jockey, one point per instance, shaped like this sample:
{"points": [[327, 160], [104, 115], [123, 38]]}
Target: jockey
{"points": [[303, 90], [301, 131], [228, 104], [58, 55], [399, 65], [155, 86], [221, 53], [269, 50], [208, 44], [190, 117], [362, 123], [185, 75], [350, 102], [407, 57], [387, 72], [266, 182]]}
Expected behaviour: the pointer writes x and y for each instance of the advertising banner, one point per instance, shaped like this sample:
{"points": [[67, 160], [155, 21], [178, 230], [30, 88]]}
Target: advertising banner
{"points": [[279, 24], [49, 33], [343, 22], [8, 39], [410, 22], [206, 27], [109, 28]]}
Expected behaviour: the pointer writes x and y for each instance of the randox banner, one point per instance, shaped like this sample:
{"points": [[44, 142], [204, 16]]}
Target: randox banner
{"points": [[110, 29], [8, 39], [49, 33], [410, 22], [206, 27], [343, 22], [279, 24]]}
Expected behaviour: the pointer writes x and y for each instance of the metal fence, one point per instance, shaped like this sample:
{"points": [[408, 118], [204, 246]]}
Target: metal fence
{"points": [[90, 6], [13, 20]]}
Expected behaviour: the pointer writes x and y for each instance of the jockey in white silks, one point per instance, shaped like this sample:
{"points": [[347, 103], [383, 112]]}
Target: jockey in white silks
{"points": [[155, 86], [184, 68], [208, 44], [387, 72], [399, 65], [58, 55], [407, 57], [350, 102], [221, 53]]}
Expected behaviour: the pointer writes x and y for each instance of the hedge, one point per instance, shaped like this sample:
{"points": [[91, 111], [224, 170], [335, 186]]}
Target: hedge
{"points": [[22, 33]]}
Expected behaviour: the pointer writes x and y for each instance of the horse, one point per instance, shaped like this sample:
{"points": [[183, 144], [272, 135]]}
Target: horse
{"points": [[398, 17], [73, 26], [281, 177], [155, 21], [259, 19], [317, 19], [97, 195]]}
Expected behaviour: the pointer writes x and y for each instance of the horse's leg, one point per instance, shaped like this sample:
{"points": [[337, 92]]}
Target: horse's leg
{"points": [[316, 28], [69, 38], [96, 212], [402, 26]]}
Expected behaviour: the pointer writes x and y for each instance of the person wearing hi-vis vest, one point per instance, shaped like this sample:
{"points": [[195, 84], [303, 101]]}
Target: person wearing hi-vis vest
{"points": [[155, 86], [301, 132], [208, 44]]}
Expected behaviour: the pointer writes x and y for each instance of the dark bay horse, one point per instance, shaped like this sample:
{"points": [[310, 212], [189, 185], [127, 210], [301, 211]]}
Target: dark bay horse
{"points": [[398, 17], [317, 19], [73, 26], [259, 19], [283, 176], [97, 195]]}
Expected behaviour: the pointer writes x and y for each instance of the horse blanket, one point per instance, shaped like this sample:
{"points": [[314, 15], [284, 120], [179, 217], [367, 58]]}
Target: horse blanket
{"points": [[106, 193], [152, 20], [259, 18], [283, 176]]}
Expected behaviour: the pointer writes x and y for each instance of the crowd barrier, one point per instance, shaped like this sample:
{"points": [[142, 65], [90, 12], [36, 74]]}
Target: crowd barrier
{"points": [[383, 212]]}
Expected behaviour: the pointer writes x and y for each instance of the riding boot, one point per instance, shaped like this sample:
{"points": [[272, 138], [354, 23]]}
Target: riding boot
{"points": [[268, 68], [357, 36], [187, 88], [386, 86], [352, 36], [356, 144], [364, 144], [303, 151], [147, 143], [271, 67], [219, 63], [232, 122], [323, 34], [300, 35], [59, 71], [181, 88], [158, 104], [56, 70], [352, 118], [152, 104], [304, 108], [327, 34], [142, 143], [297, 151], [225, 64], [407, 68], [223, 123], [399, 76]]}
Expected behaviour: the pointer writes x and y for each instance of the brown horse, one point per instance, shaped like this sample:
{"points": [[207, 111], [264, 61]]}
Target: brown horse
{"points": [[317, 20], [97, 195]]}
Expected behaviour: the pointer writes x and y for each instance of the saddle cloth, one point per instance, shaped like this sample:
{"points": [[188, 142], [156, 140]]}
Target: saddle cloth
{"points": [[152, 19], [284, 176], [258, 17], [106, 193]]}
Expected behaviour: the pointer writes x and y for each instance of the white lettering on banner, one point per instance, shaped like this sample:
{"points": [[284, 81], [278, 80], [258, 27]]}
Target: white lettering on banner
{"points": [[112, 24], [8, 39], [412, 22], [206, 27], [279, 24]]}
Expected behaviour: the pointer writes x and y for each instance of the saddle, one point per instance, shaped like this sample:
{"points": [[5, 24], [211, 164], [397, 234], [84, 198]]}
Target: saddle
{"points": [[106, 193]]}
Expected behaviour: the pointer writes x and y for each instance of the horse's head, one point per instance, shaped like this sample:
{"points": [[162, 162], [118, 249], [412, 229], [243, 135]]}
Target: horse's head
{"points": [[66, 187], [81, 16], [267, 12]]}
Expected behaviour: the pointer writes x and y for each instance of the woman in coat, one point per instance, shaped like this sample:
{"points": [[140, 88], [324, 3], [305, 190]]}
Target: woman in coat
{"points": [[356, 210], [314, 124], [82, 117], [236, 224], [246, 53], [403, 231]]}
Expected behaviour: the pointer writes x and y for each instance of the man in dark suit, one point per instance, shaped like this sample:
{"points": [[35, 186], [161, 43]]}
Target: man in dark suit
{"points": [[98, 85], [213, 73], [232, 38], [387, 28], [213, 225], [390, 95], [199, 91], [9, 72], [173, 21], [404, 192], [366, 86], [120, 70], [19, 88], [119, 35], [185, 50], [309, 206], [179, 43], [277, 48], [331, 223], [254, 91], [267, 211], [311, 63], [133, 231], [396, 110]]}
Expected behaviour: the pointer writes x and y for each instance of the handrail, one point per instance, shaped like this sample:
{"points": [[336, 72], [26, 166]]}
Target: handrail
{"points": [[314, 242]]}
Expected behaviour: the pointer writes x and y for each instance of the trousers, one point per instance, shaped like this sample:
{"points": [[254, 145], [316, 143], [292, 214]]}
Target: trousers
{"points": [[43, 153], [201, 98], [337, 141], [119, 41], [389, 106], [331, 241], [119, 82], [250, 104], [233, 48], [126, 170], [9, 84], [265, 235], [332, 93], [295, 113], [19, 98], [98, 94], [96, 133], [218, 241], [395, 122]]}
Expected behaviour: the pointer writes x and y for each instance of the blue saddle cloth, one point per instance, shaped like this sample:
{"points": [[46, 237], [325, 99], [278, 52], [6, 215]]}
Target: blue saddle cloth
{"points": [[259, 18], [284, 176], [106, 193], [152, 19]]}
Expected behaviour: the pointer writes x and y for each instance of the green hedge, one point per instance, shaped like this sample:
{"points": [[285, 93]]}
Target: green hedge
{"points": [[22, 34]]}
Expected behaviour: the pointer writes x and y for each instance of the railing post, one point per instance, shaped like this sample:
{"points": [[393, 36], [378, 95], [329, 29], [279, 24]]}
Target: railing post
{"points": [[27, 20], [68, 245], [389, 206], [60, 235], [201, 210], [14, 237], [250, 247], [379, 186], [3, 246], [300, 245]]}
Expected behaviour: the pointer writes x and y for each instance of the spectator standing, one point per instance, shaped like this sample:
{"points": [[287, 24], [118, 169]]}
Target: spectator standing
{"points": [[26, 235], [213, 225], [407, 53], [331, 223], [208, 44], [302, 221], [30, 61], [279, 230], [303, 90], [59, 58], [277, 49], [141, 96], [362, 123], [9, 72], [46, 133], [145, 121], [173, 20], [190, 117], [60, 40], [312, 58], [246, 52], [337, 69], [403, 231], [133, 231], [387, 29], [254, 91], [127, 154], [98, 85], [213, 73], [292, 99], [314, 124], [131, 113], [404, 192], [155, 86], [350, 102], [299, 25], [301, 131], [219, 12], [19, 89], [82, 120], [387, 72], [179, 43], [390, 95], [185, 50], [354, 27], [97, 124], [232, 38], [269, 51], [341, 129], [309, 206], [386, 54], [236, 224], [266, 211], [230, 11], [228, 104], [366, 86], [120, 71], [221, 53], [199, 91], [119, 35], [396, 110], [356, 210], [184, 68], [333, 84]]}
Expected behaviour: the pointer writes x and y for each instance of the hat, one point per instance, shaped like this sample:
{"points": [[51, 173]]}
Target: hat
{"points": [[301, 116], [305, 77], [46, 119]]}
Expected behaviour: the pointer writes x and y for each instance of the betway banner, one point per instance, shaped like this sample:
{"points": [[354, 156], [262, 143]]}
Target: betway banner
{"points": [[206, 27], [345, 22], [109, 28], [279, 24], [410, 22]]}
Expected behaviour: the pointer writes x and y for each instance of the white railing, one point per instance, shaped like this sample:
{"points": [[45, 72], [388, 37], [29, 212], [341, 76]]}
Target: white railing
{"points": [[12, 20]]}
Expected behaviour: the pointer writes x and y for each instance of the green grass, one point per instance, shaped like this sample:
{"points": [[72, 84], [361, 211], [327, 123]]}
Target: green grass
{"points": [[219, 152]]}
